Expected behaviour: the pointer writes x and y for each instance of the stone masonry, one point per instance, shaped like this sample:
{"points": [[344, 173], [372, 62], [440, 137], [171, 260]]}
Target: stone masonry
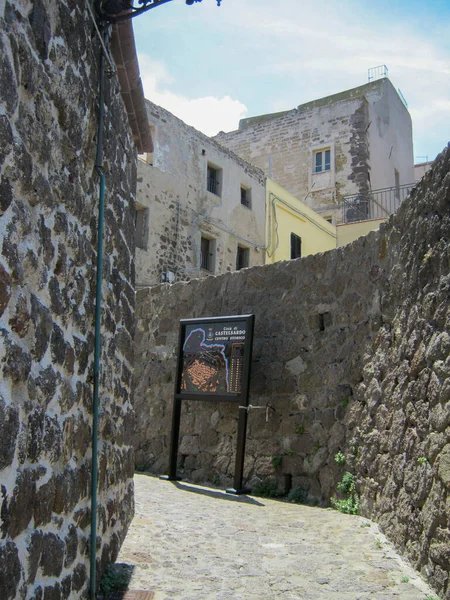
{"points": [[176, 209], [352, 350], [49, 56], [367, 131]]}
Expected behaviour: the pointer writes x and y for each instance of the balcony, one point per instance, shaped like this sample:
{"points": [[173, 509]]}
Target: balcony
{"points": [[376, 204]]}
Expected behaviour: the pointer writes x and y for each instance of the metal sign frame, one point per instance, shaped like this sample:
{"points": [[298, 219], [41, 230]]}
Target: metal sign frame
{"points": [[214, 353]]}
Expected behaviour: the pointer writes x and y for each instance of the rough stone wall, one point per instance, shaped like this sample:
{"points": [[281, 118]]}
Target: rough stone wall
{"points": [[180, 210], [49, 55], [352, 350], [400, 423]]}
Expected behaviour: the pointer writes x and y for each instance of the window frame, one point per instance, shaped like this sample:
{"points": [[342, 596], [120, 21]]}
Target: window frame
{"points": [[322, 153], [215, 182], [141, 217], [243, 252], [207, 255], [246, 195]]}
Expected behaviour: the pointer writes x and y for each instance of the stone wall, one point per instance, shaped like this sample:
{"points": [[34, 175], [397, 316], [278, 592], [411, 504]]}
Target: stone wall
{"points": [[352, 351], [177, 209], [49, 56]]}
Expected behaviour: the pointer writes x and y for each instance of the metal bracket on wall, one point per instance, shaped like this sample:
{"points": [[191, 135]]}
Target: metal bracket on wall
{"points": [[267, 407]]}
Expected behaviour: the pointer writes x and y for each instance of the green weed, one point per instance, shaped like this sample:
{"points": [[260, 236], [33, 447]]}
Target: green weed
{"points": [[300, 429], [267, 488], [347, 485], [422, 460], [298, 495], [404, 579], [350, 504], [339, 458], [277, 458], [116, 578]]}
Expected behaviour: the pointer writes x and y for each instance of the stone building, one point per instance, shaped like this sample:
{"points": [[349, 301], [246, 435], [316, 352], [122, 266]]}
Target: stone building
{"points": [[350, 143], [200, 208], [51, 172]]}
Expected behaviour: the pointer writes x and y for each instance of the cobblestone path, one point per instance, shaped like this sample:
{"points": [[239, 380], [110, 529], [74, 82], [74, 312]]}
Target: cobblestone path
{"points": [[192, 542]]}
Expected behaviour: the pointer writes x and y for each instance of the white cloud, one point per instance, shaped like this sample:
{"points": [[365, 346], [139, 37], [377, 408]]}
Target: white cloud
{"points": [[208, 114], [287, 53]]}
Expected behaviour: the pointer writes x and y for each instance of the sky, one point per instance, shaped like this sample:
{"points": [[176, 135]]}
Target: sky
{"points": [[211, 66]]}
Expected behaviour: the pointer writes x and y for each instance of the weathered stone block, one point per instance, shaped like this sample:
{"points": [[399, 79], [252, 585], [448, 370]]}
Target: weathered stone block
{"points": [[17, 360], [444, 466], [45, 499], [18, 512], [9, 430], [10, 570]]}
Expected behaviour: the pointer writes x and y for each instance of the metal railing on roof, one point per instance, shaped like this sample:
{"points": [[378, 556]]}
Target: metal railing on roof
{"points": [[376, 204], [377, 72]]}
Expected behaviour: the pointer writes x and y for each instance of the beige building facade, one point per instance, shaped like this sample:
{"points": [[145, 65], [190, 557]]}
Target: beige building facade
{"points": [[353, 142], [200, 208]]}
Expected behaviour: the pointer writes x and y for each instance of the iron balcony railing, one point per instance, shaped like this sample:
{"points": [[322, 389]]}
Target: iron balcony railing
{"points": [[376, 204]]}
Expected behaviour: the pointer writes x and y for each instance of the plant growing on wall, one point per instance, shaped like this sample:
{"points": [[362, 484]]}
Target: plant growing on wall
{"points": [[350, 504], [339, 458], [277, 458]]}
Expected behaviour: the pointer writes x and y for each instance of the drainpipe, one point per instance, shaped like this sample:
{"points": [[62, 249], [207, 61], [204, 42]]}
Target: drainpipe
{"points": [[97, 343]]}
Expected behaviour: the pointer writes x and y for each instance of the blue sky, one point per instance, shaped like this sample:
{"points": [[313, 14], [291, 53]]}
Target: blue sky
{"points": [[212, 66]]}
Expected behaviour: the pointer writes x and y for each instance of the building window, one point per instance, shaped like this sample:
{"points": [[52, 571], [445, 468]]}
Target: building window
{"points": [[141, 226], [207, 254], [242, 258], [214, 180], [397, 184], [296, 246], [246, 197], [322, 160]]}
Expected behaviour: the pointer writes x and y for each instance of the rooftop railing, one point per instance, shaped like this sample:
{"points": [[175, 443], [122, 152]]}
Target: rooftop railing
{"points": [[376, 204]]}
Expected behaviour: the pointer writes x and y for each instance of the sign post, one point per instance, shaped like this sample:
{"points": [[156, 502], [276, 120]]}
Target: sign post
{"points": [[214, 361]]}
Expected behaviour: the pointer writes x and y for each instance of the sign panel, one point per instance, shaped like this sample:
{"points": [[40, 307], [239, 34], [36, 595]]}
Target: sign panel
{"points": [[214, 357]]}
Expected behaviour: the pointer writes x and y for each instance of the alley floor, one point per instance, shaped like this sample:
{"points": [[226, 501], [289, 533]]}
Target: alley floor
{"points": [[193, 542]]}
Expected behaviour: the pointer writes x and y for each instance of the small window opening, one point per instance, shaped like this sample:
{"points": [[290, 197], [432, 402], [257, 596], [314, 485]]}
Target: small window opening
{"points": [[242, 258], [141, 226], [206, 254], [246, 197], [296, 246], [213, 180], [322, 160]]}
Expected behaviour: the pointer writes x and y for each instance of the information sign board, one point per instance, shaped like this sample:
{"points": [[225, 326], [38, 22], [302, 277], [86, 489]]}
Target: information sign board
{"points": [[214, 358]]}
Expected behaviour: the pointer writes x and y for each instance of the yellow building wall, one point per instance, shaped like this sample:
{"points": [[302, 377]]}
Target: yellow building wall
{"points": [[352, 231], [285, 214]]}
